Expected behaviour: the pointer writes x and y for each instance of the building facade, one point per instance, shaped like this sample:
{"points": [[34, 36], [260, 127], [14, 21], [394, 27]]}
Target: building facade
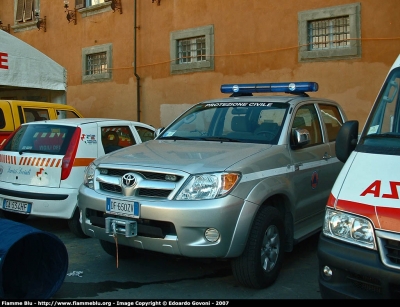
{"points": [[149, 60]]}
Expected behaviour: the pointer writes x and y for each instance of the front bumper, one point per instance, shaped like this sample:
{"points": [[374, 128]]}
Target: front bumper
{"points": [[356, 272], [175, 227]]}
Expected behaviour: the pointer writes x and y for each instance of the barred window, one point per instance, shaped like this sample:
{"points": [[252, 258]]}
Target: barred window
{"points": [[329, 33], [191, 50], [96, 63]]}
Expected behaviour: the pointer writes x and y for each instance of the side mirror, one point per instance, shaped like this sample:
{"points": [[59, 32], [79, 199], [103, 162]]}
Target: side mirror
{"points": [[300, 138], [346, 140]]}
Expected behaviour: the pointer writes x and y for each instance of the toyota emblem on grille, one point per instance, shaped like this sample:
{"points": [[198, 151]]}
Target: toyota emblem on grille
{"points": [[128, 180], [128, 184]]}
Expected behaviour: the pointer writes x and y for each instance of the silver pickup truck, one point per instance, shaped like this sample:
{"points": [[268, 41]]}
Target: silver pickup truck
{"points": [[243, 178]]}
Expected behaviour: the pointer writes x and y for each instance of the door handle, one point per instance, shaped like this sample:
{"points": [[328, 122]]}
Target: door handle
{"points": [[326, 156]]}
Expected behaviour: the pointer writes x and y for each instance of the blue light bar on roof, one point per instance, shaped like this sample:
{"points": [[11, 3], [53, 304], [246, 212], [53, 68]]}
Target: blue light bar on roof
{"points": [[284, 87]]}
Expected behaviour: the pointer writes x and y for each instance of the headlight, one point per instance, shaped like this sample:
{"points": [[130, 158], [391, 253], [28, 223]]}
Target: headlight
{"points": [[88, 177], [350, 228], [208, 186]]}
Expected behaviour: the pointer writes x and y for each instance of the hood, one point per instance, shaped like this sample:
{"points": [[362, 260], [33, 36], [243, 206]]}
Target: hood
{"points": [[371, 188], [189, 156]]}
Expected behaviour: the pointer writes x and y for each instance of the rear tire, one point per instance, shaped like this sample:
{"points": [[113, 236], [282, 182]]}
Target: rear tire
{"points": [[75, 226], [17, 217], [261, 261], [124, 252]]}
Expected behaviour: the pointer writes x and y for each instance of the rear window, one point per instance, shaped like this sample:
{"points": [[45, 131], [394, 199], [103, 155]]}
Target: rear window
{"points": [[46, 139]]}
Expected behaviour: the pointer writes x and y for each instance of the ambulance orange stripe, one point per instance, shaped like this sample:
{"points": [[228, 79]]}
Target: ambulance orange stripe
{"points": [[359, 208], [389, 218], [82, 161], [58, 162]]}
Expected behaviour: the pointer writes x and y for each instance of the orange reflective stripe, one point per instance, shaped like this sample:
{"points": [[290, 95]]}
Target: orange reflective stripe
{"points": [[83, 161]]}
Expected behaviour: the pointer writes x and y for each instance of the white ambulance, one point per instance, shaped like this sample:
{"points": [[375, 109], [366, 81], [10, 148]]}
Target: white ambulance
{"points": [[42, 164], [359, 247]]}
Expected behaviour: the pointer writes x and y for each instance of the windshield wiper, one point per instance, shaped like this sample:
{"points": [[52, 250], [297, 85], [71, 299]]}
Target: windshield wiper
{"points": [[174, 138], [383, 135], [219, 139]]}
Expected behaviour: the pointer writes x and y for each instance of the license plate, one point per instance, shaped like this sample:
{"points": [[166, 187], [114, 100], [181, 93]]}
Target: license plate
{"points": [[13, 205], [123, 207]]}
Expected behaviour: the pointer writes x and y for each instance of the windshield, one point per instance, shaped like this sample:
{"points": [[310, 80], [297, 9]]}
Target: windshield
{"points": [[45, 139], [382, 130], [230, 122]]}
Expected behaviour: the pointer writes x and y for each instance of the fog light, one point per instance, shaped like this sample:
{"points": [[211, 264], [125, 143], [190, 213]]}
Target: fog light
{"points": [[327, 271], [211, 234]]}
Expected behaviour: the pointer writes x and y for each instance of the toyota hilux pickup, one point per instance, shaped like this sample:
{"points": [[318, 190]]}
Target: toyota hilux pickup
{"points": [[242, 178]]}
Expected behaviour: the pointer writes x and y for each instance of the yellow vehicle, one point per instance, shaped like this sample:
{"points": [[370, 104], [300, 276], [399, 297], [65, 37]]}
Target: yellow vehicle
{"points": [[13, 113]]}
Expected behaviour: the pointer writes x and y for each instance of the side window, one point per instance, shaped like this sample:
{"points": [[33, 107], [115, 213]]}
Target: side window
{"points": [[28, 115], [145, 134], [2, 119], [116, 137], [66, 114], [330, 33], [307, 118], [192, 50], [332, 120], [96, 63]]}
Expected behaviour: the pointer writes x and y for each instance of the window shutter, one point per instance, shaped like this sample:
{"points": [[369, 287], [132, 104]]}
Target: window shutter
{"points": [[20, 10], [79, 4], [28, 14]]}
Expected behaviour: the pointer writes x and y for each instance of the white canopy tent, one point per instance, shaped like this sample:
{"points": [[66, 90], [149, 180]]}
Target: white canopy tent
{"points": [[22, 66]]}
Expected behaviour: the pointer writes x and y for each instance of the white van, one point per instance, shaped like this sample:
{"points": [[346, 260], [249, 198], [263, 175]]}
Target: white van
{"points": [[359, 247]]}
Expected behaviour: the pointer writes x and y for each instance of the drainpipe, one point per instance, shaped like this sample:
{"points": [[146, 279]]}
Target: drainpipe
{"points": [[134, 67]]}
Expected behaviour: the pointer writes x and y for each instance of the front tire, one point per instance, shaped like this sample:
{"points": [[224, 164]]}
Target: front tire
{"points": [[124, 252], [260, 263]]}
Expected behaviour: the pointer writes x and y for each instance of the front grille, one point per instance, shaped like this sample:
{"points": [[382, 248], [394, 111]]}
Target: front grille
{"points": [[156, 185], [389, 248], [110, 187], [153, 193], [140, 192], [393, 251], [366, 283], [147, 175]]}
